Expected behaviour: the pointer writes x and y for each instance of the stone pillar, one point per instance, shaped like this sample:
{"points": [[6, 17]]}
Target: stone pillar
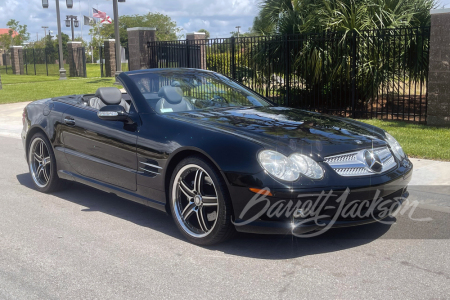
{"points": [[140, 56], [75, 67], [438, 107], [1, 57], [17, 60], [110, 58], [196, 44]]}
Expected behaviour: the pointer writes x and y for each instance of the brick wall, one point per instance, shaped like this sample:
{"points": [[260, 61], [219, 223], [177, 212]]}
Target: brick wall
{"points": [[17, 60], [137, 47], [110, 58], [438, 107], [75, 67]]}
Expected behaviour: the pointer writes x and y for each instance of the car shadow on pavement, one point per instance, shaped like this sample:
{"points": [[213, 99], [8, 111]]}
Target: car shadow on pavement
{"points": [[248, 245]]}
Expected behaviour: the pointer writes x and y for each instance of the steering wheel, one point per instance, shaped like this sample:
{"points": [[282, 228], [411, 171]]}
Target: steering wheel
{"points": [[220, 100]]}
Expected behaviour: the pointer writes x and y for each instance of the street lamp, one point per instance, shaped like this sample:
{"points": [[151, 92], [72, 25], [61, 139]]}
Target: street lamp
{"points": [[69, 3], [45, 30], [116, 33], [70, 23]]}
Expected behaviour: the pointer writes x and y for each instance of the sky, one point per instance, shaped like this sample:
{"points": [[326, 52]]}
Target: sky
{"points": [[219, 17]]}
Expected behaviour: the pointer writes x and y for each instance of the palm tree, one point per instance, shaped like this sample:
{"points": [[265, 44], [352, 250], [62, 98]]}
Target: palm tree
{"points": [[302, 16], [359, 34]]}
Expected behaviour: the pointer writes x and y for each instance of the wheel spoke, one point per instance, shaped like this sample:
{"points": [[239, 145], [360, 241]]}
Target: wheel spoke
{"points": [[41, 149], [37, 158], [186, 190], [188, 210], [209, 201], [44, 171], [39, 170], [46, 161], [201, 220], [198, 181]]}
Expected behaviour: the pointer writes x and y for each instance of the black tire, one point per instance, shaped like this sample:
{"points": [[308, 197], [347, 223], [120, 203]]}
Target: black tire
{"points": [[210, 231], [54, 183]]}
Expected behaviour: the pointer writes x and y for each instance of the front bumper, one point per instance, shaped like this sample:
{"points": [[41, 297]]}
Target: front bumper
{"points": [[296, 227], [334, 213]]}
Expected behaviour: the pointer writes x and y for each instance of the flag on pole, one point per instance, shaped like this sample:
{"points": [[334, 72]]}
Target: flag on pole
{"points": [[98, 14], [106, 20], [89, 21]]}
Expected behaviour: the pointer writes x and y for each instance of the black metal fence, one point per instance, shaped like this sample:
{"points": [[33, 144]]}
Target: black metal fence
{"points": [[365, 74], [5, 66], [41, 61], [101, 54]]}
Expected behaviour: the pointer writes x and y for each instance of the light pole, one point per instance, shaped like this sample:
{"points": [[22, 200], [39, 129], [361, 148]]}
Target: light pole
{"points": [[116, 34], [70, 21], [238, 27], [45, 30], [69, 4]]}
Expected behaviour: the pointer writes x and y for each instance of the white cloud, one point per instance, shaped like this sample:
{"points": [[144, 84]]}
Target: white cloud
{"points": [[217, 16]]}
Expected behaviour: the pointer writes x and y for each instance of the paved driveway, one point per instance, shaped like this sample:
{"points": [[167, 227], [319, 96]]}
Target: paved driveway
{"points": [[84, 244]]}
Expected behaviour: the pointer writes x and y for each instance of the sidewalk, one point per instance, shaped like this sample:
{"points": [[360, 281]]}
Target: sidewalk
{"points": [[11, 119]]}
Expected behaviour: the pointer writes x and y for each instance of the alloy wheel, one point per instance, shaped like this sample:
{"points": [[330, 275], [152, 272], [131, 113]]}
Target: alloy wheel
{"points": [[40, 162], [195, 201]]}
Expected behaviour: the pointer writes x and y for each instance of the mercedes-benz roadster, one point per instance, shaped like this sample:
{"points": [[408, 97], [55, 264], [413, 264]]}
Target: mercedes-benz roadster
{"points": [[215, 155]]}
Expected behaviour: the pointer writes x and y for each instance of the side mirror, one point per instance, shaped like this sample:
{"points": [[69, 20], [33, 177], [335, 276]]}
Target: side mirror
{"points": [[114, 113]]}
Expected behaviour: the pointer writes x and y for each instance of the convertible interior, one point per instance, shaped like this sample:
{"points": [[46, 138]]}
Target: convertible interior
{"points": [[168, 99]]}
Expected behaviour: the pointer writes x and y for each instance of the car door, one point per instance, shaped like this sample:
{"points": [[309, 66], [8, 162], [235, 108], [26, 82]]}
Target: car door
{"points": [[100, 149]]}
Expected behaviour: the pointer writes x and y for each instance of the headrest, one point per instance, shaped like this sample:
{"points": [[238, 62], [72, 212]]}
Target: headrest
{"points": [[109, 95], [171, 94], [175, 83]]}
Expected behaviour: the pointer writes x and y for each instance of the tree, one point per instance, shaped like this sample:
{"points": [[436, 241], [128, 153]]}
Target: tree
{"points": [[301, 16], [166, 29], [65, 39], [16, 36], [324, 71], [207, 35]]}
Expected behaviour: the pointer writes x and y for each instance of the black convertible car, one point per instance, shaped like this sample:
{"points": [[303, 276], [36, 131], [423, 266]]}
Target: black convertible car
{"points": [[214, 154]]}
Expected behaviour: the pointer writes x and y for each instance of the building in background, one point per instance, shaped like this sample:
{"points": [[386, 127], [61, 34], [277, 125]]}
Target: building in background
{"points": [[4, 59]]}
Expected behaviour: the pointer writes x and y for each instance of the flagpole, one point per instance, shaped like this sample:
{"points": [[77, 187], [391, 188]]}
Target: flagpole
{"points": [[81, 18]]}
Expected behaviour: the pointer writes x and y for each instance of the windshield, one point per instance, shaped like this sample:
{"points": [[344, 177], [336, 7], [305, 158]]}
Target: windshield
{"points": [[185, 90]]}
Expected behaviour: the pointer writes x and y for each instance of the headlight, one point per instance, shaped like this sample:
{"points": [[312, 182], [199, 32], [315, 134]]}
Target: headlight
{"points": [[289, 168], [395, 146]]}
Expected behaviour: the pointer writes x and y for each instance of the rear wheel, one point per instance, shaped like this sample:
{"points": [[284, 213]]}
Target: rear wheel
{"points": [[200, 203], [42, 164]]}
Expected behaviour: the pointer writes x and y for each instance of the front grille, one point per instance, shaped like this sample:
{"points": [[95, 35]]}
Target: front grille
{"points": [[354, 163]]}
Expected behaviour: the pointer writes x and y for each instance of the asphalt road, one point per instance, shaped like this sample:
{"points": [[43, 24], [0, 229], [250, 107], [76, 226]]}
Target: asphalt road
{"points": [[85, 244]]}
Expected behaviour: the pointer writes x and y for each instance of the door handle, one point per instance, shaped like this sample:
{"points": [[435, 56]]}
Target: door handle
{"points": [[69, 121]]}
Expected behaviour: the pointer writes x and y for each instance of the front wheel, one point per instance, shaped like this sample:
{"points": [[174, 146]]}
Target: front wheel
{"points": [[200, 203]]}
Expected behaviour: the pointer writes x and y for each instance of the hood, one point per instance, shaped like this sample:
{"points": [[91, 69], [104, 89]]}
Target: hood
{"points": [[290, 130]]}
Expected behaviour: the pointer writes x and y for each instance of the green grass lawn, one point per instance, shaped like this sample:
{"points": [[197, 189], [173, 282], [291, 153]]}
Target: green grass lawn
{"points": [[92, 70], [418, 140], [20, 88]]}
